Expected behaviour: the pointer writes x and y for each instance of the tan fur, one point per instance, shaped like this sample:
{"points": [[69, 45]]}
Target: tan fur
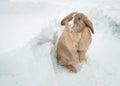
{"points": [[72, 46]]}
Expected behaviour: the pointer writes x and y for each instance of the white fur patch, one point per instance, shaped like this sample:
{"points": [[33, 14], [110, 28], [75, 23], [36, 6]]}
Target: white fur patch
{"points": [[69, 25]]}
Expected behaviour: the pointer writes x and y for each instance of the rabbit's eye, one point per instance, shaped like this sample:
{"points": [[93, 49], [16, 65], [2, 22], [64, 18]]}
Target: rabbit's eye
{"points": [[79, 18]]}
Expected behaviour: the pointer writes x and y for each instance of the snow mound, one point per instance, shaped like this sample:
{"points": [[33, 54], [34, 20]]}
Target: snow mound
{"points": [[35, 64]]}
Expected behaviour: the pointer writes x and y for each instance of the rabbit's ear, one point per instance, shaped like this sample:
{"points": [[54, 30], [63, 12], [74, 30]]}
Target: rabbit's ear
{"points": [[68, 18], [89, 24]]}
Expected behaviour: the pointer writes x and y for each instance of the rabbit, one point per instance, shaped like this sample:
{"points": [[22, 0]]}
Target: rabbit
{"points": [[74, 41]]}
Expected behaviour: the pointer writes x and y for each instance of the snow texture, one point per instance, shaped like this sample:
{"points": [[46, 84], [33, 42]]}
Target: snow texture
{"points": [[27, 55]]}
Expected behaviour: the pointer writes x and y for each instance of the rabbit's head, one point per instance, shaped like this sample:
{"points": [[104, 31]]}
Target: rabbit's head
{"points": [[80, 21]]}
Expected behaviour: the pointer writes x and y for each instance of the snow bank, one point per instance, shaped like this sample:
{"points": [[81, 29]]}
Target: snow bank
{"points": [[34, 64]]}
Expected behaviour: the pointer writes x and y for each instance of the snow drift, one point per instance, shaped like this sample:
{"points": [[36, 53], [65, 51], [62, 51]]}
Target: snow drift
{"points": [[34, 64]]}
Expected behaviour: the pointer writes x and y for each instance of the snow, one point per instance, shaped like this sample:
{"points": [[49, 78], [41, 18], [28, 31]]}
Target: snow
{"points": [[27, 55]]}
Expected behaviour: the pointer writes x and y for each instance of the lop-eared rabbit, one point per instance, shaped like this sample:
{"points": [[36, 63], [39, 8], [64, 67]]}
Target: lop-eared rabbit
{"points": [[74, 41]]}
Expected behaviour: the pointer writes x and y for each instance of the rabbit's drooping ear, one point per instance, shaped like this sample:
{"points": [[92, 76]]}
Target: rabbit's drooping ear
{"points": [[89, 24], [68, 18]]}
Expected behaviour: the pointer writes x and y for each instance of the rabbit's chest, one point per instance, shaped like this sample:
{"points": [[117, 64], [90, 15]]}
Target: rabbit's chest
{"points": [[72, 40]]}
